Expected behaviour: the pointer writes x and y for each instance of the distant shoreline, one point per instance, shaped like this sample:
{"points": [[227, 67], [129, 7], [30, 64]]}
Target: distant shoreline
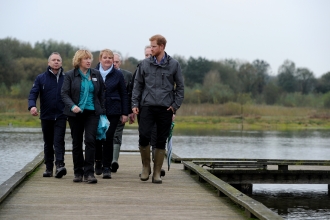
{"points": [[204, 123]]}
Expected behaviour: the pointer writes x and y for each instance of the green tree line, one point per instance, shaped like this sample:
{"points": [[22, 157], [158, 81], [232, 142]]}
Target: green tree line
{"points": [[206, 81]]}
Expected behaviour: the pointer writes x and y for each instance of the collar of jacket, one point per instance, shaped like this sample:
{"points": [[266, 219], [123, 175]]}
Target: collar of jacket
{"points": [[76, 72], [112, 71], [167, 60], [61, 70], [97, 66]]}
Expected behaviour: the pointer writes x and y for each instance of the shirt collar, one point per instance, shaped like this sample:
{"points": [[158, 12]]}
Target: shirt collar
{"points": [[162, 61]]}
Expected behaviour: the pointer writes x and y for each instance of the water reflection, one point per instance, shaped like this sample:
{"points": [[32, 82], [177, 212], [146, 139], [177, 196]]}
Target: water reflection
{"points": [[295, 201], [18, 146]]}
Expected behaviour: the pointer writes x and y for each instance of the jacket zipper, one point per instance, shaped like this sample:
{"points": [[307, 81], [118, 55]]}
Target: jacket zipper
{"points": [[162, 79]]}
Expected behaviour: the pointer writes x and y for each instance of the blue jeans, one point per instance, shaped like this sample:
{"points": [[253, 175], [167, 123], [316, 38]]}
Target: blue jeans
{"points": [[53, 135], [84, 122]]}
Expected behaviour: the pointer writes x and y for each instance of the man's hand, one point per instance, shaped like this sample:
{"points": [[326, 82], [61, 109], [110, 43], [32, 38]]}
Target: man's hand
{"points": [[135, 110], [173, 117], [34, 111], [171, 109], [131, 118]]}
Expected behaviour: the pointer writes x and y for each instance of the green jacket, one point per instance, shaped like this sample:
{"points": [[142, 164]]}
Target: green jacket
{"points": [[158, 85]]}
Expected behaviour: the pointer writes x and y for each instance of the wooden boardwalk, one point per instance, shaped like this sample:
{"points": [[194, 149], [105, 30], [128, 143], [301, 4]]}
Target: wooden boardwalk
{"points": [[181, 196]]}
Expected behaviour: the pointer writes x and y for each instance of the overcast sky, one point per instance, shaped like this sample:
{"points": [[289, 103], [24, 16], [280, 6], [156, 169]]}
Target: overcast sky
{"points": [[270, 30]]}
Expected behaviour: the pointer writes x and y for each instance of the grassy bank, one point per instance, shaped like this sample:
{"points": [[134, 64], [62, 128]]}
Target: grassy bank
{"points": [[229, 116]]}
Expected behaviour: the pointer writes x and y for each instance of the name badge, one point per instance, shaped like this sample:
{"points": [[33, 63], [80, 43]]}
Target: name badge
{"points": [[94, 79]]}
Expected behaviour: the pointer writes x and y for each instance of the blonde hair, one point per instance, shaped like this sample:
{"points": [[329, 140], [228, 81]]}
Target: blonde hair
{"points": [[79, 55], [159, 39], [107, 51]]}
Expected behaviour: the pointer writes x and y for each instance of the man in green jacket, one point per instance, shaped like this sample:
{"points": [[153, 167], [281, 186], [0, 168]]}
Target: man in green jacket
{"points": [[157, 94]]}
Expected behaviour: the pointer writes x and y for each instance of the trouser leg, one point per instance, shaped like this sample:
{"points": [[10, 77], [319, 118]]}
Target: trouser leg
{"points": [[48, 136], [59, 143], [153, 140], [77, 132], [163, 124], [90, 126], [108, 143], [117, 141]]}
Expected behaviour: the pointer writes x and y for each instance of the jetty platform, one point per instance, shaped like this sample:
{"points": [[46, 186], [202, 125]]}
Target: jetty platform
{"points": [[125, 196]]}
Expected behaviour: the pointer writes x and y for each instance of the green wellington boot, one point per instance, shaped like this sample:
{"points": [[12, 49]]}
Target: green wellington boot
{"points": [[115, 164], [162, 171], [158, 163], [145, 157]]}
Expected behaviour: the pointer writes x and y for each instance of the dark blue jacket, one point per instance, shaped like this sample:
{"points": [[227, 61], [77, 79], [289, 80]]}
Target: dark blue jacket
{"points": [[51, 104], [116, 98]]}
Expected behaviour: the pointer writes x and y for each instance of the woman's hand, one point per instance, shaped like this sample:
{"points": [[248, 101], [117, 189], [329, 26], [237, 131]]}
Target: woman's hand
{"points": [[76, 109], [123, 119]]}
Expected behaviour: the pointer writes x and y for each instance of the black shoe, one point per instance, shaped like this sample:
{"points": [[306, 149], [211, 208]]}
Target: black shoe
{"points": [[106, 173], [48, 173], [98, 167], [90, 179], [114, 167], [77, 178], [162, 172], [60, 170]]}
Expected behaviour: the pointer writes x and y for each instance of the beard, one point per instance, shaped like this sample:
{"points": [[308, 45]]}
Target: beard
{"points": [[156, 54]]}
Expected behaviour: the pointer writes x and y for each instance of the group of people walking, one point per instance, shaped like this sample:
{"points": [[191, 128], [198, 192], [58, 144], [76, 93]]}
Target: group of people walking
{"points": [[81, 95]]}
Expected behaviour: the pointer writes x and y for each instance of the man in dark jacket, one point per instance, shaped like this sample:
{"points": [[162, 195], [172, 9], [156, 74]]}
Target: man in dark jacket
{"points": [[147, 54], [117, 139], [157, 93], [53, 122]]}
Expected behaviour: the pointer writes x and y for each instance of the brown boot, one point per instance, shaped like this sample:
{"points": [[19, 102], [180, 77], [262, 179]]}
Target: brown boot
{"points": [[145, 157], [158, 163]]}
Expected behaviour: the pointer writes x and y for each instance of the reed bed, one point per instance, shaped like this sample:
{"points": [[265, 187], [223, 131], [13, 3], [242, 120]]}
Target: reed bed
{"points": [[230, 116]]}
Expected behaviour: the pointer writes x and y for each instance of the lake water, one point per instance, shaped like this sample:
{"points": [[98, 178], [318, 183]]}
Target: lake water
{"points": [[18, 146]]}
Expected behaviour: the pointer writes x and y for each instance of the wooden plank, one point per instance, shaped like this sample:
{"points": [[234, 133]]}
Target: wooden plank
{"points": [[9, 185], [253, 176], [251, 206], [215, 163], [124, 196], [176, 158]]}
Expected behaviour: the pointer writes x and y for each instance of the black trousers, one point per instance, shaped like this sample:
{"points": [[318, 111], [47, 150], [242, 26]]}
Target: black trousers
{"points": [[159, 117], [104, 148], [53, 134], [87, 123]]}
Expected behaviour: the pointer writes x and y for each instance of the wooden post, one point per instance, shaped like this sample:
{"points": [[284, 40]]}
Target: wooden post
{"points": [[201, 180], [246, 188], [221, 194], [283, 167]]}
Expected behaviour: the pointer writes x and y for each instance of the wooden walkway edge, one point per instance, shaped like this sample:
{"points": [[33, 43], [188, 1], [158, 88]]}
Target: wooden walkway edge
{"points": [[252, 207], [28, 195], [9, 185]]}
